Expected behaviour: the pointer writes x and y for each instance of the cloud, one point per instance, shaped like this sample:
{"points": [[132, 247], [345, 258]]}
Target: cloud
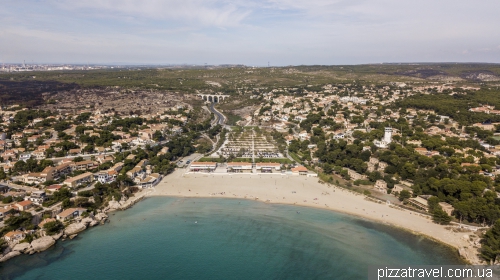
{"points": [[211, 13], [250, 31]]}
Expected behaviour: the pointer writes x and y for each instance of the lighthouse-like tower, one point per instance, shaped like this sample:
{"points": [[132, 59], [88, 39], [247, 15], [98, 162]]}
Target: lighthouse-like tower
{"points": [[388, 135]]}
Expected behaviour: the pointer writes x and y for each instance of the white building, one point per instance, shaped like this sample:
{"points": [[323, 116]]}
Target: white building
{"points": [[388, 135], [239, 167], [386, 140], [203, 166]]}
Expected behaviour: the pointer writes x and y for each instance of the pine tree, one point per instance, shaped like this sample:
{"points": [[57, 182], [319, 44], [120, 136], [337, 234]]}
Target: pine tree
{"points": [[491, 243], [439, 216], [3, 176]]}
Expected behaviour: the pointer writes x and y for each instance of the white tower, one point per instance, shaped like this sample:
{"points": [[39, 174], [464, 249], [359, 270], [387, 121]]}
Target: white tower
{"points": [[388, 135]]}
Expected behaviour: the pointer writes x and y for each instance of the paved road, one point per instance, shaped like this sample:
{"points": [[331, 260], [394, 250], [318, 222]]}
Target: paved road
{"points": [[289, 156], [87, 156], [91, 187], [193, 157], [14, 186], [221, 119]]}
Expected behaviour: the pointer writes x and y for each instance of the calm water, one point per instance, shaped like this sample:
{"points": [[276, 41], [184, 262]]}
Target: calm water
{"points": [[172, 238]]}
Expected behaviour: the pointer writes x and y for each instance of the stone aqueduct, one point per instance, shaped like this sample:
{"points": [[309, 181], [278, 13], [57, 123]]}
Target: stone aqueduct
{"points": [[213, 97]]}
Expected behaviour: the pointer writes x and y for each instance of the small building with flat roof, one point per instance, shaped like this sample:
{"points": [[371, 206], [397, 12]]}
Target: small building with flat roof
{"points": [[300, 170], [447, 208], [268, 167], [419, 203], [239, 167], [78, 180], [70, 213], [381, 186], [355, 175], [197, 166], [399, 187]]}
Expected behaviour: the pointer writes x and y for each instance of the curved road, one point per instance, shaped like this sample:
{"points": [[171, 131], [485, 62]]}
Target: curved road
{"points": [[221, 119]]}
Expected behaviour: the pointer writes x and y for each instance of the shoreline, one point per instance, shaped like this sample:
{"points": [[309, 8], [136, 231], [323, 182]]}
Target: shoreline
{"points": [[467, 261], [308, 192]]}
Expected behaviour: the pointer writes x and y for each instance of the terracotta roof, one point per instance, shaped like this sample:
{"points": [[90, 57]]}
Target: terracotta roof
{"points": [[299, 169], [12, 233], [24, 203], [79, 177]]}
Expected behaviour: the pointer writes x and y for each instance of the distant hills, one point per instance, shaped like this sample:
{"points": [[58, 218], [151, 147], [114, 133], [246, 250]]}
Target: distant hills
{"points": [[27, 87]]}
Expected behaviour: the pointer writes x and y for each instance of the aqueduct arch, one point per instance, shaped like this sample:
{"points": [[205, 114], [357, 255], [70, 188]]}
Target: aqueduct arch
{"points": [[213, 97]]}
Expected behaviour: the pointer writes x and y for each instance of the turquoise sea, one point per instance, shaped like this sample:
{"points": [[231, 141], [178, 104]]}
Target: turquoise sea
{"points": [[195, 238]]}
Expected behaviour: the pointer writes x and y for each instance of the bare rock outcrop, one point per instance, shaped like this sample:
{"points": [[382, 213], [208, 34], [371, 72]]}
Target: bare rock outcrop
{"points": [[101, 217], [57, 236], [42, 244], [74, 228], [114, 205], [21, 247], [10, 256], [87, 221]]}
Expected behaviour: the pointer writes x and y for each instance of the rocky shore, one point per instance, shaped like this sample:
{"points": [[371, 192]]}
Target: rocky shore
{"points": [[44, 242], [70, 231]]}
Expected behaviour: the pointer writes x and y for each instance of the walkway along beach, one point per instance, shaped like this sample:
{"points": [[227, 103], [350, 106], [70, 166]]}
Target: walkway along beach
{"points": [[307, 191]]}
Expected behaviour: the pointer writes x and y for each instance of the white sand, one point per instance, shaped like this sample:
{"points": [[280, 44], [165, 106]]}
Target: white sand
{"points": [[307, 191]]}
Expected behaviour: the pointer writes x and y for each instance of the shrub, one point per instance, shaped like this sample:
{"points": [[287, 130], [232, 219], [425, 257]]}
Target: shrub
{"points": [[54, 227]]}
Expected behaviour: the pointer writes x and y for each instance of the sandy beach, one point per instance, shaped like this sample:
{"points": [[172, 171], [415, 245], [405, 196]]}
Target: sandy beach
{"points": [[307, 191]]}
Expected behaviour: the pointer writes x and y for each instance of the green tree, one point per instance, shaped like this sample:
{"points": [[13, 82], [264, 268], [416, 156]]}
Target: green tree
{"points": [[433, 203], [491, 243], [404, 194], [439, 216], [78, 159], [23, 220], [7, 199], [66, 203], [20, 166], [54, 227]]}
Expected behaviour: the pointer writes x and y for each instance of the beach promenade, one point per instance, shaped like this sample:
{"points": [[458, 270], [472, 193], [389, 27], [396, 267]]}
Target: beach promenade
{"points": [[307, 191]]}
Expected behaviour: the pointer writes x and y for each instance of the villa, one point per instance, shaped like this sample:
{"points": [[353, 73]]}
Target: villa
{"points": [[14, 236], [70, 213]]}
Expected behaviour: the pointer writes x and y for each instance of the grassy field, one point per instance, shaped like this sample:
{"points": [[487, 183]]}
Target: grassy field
{"points": [[210, 159]]}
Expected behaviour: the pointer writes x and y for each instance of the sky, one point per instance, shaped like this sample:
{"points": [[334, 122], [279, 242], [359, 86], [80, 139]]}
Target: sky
{"points": [[250, 32]]}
